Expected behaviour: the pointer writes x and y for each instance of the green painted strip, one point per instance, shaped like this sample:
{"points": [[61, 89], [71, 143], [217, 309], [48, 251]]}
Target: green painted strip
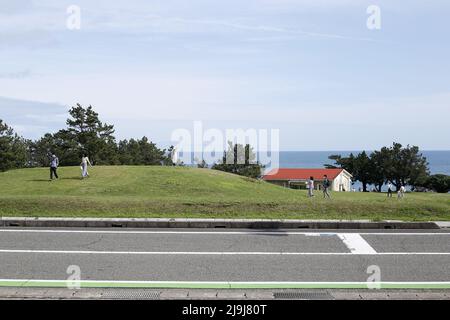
{"points": [[332, 285], [224, 285]]}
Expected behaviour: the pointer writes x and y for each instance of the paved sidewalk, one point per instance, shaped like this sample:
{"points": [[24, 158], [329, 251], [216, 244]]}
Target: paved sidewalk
{"points": [[177, 294]]}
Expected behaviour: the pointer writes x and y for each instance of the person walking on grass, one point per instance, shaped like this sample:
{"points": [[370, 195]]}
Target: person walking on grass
{"points": [[389, 190], [84, 166], [326, 187], [54, 164], [401, 192], [311, 187]]}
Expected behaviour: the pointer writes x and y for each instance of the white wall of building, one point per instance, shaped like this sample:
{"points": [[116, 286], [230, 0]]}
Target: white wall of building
{"points": [[342, 182]]}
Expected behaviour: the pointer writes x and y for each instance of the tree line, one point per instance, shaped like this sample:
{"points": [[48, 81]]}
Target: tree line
{"points": [[86, 134], [240, 159], [398, 165], [13, 148]]}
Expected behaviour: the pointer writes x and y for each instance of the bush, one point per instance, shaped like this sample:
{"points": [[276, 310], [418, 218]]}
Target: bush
{"points": [[439, 183], [13, 149]]}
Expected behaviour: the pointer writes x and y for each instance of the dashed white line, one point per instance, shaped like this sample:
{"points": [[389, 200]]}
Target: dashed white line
{"points": [[356, 244]]}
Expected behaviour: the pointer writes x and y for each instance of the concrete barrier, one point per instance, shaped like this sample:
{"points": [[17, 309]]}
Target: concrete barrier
{"points": [[210, 223]]}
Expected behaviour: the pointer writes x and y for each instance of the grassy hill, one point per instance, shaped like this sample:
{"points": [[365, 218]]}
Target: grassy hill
{"points": [[128, 191]]}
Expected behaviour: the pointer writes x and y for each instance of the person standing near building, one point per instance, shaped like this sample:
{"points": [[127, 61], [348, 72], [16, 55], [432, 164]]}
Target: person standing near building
{"points": [[326, 187], [311, 187], [84, 166], [389, 190], [54, 163]]}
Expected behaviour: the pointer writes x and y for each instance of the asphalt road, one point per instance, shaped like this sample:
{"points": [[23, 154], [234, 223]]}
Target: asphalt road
{"points": [[225, 256]]}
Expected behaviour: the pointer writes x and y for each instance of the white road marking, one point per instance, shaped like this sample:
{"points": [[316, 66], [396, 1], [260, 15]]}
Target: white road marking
{"points": [[356, 244], [25, 283], [357, 252], [227, 282], [219, 232]]}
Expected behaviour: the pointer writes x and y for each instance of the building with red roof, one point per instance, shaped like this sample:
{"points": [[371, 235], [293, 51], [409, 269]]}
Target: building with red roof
{"points": [[297, 178]]}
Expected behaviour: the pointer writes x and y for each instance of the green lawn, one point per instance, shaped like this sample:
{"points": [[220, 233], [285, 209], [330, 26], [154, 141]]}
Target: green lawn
{"points": [[197, 193]]}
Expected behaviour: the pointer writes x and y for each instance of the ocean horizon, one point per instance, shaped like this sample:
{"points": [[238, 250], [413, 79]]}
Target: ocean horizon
{"points": [[439, 160]]}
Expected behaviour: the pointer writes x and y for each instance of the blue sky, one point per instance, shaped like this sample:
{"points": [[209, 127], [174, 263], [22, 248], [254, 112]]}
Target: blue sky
{"points": [[310, 68]]}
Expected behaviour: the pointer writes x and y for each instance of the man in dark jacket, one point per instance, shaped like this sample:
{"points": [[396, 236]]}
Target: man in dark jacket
{"points": [[326, 187], [54, 163]]}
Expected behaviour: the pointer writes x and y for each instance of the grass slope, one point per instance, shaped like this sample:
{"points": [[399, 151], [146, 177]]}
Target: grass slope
{"points": [[140, 191]]}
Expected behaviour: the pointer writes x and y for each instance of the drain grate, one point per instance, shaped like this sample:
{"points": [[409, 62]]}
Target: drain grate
{"points": [[132, 294], [303, 295]]}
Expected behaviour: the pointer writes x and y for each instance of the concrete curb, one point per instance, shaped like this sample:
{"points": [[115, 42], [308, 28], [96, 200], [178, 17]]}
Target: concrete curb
{"points": [[210, 223], [220, 294]]}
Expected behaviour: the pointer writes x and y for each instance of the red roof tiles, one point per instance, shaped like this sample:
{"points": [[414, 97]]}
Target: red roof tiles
{"points": [[301, 174]]}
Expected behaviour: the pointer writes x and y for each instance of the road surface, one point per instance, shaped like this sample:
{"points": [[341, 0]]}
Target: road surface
{"points": [[182, 258]]}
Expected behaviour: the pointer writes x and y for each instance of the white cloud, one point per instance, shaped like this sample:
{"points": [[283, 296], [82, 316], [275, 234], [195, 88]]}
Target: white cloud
{"points": [[16, 74], [31, 118], [140, 18], [261, 62], [15, 7]]}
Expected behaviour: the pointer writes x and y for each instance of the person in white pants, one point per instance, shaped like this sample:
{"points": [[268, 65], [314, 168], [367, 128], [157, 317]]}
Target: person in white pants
{"points": [[84, 166], [401, 192], [311, 187]]}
